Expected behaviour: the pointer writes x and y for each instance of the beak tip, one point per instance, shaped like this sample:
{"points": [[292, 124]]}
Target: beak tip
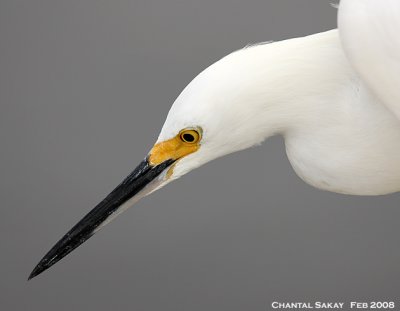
{"points": [[42, 266], [36, 271], [32, 275]]}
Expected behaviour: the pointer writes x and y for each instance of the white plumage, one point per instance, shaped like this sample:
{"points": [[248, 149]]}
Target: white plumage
{"points": [[339, 136], [369, 30], [334, 96]]}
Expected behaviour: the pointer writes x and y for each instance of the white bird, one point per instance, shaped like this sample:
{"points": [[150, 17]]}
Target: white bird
{"points": [[334, 96]]}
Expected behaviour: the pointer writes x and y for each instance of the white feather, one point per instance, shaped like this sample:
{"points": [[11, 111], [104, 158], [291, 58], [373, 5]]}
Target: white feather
{"points": [[338, 135], [370, 32]]}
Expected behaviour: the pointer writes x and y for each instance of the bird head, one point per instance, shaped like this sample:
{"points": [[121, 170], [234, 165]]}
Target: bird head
{"points": [[207, 121]]}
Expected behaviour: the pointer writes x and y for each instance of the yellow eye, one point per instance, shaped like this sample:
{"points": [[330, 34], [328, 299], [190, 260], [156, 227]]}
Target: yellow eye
{"points": [[189, 136]]}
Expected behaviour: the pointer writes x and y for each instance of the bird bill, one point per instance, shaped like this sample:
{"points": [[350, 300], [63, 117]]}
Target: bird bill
{"points": [[144, 179]]}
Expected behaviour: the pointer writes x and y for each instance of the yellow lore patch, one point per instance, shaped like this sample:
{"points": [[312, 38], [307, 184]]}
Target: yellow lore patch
{"points": [[173, 148]]}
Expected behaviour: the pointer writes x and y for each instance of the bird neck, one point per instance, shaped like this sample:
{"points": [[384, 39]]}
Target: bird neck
{"points": [[286, 85]]}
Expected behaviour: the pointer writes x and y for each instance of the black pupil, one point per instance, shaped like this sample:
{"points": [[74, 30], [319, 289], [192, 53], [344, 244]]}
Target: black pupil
{"points": [[188, 137]]}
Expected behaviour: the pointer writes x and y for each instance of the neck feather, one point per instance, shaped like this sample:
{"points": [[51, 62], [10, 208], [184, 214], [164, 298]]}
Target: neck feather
{"points": [[286, 84]]}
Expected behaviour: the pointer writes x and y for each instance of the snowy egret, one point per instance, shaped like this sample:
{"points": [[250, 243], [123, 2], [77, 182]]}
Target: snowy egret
{"points": [[334, 96]]}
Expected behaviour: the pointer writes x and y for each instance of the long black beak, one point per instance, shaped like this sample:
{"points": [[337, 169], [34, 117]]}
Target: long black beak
{"points": [[104, 212]]}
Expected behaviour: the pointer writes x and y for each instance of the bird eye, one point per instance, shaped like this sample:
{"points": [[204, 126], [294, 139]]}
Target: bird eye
{"points": [[189, 136]]}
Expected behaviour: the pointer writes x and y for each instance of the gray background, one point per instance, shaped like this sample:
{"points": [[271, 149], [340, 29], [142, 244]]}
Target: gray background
{"points": [[85, 87]]}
